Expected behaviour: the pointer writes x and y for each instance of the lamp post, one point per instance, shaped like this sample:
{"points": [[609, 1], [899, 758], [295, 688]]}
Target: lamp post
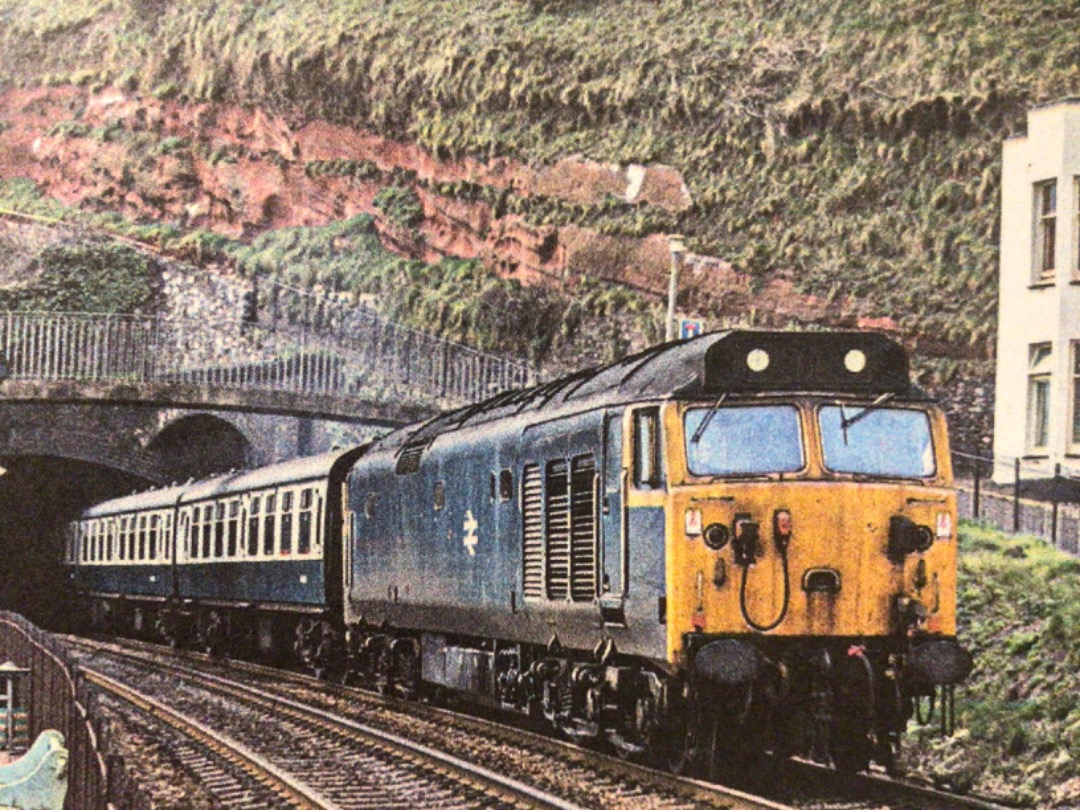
{"points": [[675, 247]]}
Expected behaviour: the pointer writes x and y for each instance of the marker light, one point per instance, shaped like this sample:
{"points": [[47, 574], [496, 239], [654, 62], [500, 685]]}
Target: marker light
{"points": [[758, 360], [693, 522], [855, 361], [944, 526]]}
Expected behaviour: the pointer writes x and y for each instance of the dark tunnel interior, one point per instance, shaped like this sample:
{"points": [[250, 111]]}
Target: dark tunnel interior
{"points": [[38, 495]]}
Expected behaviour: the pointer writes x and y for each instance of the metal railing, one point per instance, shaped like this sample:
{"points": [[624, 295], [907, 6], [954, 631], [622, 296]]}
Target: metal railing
{"points": [[58, 698], [1033, 502], [346, 352]]}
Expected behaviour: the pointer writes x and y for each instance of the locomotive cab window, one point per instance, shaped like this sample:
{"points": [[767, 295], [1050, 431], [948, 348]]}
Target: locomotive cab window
{"points": [[506, 485], [886, 442], [753, 440], [440, 495], [648, 469]]}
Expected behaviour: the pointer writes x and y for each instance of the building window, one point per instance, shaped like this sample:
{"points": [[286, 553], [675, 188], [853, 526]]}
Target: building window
{"points": [[1045, 228], [1076, 228], [1039, 396], [1076, 395]]}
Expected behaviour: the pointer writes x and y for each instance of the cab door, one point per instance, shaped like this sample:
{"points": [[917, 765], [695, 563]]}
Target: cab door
{"points": [[612, 522]]}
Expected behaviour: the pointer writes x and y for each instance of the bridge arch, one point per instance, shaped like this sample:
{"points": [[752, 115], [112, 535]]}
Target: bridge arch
{"points": [[198, 445]]}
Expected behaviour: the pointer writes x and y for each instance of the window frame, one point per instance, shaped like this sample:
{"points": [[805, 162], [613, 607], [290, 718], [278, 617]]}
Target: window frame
{"points": [[1045, 235], [1039, 379], [655, 480], [1074, 416]]}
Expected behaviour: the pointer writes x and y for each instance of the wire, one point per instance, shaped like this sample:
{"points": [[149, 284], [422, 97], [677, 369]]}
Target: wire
{"points": [[763, 628]]}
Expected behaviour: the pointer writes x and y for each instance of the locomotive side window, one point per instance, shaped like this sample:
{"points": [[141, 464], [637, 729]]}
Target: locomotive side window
{"points": [[506, 485], [440, 495], [369, 505], [286, 546], [648, 470]]}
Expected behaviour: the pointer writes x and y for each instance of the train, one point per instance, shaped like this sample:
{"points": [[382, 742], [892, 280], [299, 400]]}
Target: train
{"points": [[742, 543]]}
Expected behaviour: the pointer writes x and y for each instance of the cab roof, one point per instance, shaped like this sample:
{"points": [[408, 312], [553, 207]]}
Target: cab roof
{"points": [[732, 362]]}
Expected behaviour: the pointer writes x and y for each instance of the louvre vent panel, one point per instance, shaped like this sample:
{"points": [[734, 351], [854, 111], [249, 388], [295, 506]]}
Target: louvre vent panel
{"points": [[533, 532], [409, 460], [557, 513], [583, 537]]}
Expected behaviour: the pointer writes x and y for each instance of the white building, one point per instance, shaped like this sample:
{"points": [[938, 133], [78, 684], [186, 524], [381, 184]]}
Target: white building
{"points": [[1037, 391]]}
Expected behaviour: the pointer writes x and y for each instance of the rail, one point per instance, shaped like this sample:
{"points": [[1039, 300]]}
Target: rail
{"points": [[349, 352], [60, 699]]}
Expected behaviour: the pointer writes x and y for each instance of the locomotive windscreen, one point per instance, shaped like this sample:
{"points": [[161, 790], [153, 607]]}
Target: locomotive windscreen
{"points": [[853, 362]]}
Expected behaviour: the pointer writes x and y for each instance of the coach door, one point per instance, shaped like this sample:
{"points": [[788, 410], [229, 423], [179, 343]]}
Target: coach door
{"points": [[612, 534]]}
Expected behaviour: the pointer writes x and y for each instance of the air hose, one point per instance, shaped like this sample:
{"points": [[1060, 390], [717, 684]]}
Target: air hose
{"points": [[765, 628]]}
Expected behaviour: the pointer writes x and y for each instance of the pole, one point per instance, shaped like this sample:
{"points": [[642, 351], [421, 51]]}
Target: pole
{"points": [[675, 247], [978, 476], [1054, 507], [1016, 496]]}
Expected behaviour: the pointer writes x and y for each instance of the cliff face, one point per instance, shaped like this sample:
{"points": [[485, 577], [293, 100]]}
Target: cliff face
{"points": [[240, 172]]}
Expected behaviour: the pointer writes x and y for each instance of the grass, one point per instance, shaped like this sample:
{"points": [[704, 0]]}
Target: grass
{"points": [[851, 145], [1019, 613]]}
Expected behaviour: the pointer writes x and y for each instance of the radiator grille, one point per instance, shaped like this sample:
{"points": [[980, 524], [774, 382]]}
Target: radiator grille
{"points": [[533, 532], [583, 529], [557, 513]]}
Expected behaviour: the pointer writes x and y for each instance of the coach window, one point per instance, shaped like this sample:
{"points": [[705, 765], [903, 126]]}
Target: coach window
{"points": [[269, 525], [648, 471], [195, 543], [232, 528], [253, 526], [140, 538], [111, 527], [152, 537], [440, 495], [303, 537], [207, 530], [287, 505], [122, 537]]}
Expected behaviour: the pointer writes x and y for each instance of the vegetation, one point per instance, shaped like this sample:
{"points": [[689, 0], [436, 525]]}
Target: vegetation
{"points": [[455, 298], [1019, 602], [85, 275], [852, 145]]}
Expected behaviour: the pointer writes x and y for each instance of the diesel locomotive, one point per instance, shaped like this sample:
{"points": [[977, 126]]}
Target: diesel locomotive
{"points": [[742, 542]]}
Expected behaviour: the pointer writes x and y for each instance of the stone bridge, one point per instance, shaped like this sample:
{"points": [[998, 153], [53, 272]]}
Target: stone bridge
{"points": [[169, 397]]}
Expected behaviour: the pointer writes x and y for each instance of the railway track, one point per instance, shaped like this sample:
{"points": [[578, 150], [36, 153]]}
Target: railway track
{"points": [[562, 777], [587, 777]]}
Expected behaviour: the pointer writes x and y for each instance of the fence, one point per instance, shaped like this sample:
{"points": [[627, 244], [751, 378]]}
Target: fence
{"points": [[1033, 503], [343, 351], [59, 699]]}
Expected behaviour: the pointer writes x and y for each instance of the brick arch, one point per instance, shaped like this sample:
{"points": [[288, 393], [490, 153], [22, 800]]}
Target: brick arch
{"points": [[199, 445]]}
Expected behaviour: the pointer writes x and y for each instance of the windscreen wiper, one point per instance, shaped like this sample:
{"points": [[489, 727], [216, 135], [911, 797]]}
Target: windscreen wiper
{"points": [[708, 418], [847, 421]]}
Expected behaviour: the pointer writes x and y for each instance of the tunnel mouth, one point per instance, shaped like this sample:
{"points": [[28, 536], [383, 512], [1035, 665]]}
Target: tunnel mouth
{"points": [[38, 496]]}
